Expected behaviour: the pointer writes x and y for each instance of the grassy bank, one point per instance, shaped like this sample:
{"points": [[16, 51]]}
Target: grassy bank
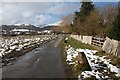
{"points": [[77, 44], [72, 71]]}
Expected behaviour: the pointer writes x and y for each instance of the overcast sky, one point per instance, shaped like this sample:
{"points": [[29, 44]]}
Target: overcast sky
{"points": [[36, 13]]}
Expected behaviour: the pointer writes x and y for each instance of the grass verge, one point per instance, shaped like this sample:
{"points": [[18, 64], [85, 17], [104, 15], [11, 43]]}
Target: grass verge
{"points": [[77, 44], [68, 69], [73, 71], [76, 70]]}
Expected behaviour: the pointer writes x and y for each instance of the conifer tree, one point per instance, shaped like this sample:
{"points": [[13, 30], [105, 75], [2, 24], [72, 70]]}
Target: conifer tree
{"points": [[85, 10]]}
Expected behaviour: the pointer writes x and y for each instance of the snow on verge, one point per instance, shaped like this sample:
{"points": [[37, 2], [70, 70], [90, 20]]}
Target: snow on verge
{"points": [[101, 67]]}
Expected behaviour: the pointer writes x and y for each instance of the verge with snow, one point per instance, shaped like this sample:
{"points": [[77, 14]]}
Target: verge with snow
{"points": [[101, 67]]}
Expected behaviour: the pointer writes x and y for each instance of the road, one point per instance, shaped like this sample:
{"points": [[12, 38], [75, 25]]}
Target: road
{"points": [[42, 62]]}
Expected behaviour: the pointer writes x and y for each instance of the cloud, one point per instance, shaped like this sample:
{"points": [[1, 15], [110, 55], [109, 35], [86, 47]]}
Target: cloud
{"points": [[35, 12], [41, 19], [65, 8], [59, 0], [18, 12], [27, 14], [1, 12]]}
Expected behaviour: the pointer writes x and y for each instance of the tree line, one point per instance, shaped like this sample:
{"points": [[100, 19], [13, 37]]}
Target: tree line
{"points": [[93, 21]]}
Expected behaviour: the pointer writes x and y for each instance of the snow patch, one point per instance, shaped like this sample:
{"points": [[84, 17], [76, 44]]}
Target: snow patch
{"points": [[99, 65]]}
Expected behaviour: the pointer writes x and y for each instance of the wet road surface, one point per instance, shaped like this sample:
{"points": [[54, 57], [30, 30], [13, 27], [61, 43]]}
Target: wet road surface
{"points": [[42, 62]]}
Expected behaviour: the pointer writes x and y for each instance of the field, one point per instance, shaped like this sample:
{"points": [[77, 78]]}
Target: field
{"points": [[12, 47]]}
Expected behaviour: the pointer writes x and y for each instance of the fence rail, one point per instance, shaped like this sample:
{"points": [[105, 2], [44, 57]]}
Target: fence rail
{"points": [[97, 42], [108, 45]]}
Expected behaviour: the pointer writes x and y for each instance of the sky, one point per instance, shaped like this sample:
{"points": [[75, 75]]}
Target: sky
{"points": [[36, 13]]}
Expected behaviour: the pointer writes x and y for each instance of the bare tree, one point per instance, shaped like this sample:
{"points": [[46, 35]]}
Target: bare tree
{"points": [[66, 23], [109, 13]]}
